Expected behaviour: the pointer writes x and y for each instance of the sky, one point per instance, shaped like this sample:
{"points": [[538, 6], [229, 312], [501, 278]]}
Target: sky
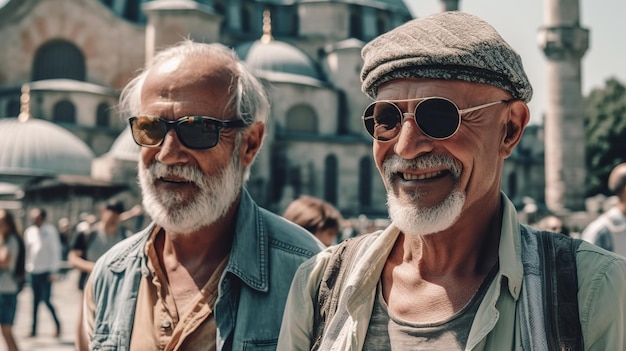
{"points": [[519, 24]]}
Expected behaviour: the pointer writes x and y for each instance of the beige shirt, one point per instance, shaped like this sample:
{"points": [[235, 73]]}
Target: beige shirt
{"points": [[158, 324], [601, 296]]}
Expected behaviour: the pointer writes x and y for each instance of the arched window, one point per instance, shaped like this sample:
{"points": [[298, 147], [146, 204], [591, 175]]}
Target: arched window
{"points": [[295, 23], [102, 115], [12, 108], [59, 59], [330, 179], [381, 24], [302, 119], [219, 7], [64, 112], [246, 18], [356, 24], [365, 182]]}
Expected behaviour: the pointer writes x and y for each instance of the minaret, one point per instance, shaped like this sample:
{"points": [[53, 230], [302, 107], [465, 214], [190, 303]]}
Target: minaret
{"points": [[267, 27], [25, 104], [564, 43], [449, 5], [170, 21]]}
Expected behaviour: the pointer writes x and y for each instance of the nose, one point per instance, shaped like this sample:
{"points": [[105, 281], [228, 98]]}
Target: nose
{"points": [[411, 141], [172, 151]]}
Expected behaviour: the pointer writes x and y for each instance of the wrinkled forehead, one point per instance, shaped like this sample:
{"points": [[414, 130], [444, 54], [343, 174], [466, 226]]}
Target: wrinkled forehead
{"points": [[177, 77]]}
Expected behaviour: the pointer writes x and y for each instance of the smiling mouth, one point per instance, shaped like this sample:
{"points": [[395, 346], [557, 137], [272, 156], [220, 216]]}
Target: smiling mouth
{"points": [[174, 180], [424, 176]]}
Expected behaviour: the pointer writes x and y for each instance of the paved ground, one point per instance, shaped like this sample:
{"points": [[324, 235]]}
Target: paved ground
{"points": [[65, 298]]}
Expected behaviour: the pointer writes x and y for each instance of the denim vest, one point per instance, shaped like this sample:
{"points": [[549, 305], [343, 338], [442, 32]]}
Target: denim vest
{"points": [[252, 291]]}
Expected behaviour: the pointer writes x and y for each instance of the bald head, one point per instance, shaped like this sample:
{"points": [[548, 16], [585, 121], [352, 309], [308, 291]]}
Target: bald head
{"points": [[211, 75], [617, 180], [213, 68]]}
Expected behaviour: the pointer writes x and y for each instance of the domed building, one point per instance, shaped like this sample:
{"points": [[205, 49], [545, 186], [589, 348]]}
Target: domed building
{"points": [[45, 165], [76, 55]]}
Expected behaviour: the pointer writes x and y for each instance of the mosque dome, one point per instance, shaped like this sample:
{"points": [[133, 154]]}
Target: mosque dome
{"points": [[124, 147], [36, 147], [277, 60]]}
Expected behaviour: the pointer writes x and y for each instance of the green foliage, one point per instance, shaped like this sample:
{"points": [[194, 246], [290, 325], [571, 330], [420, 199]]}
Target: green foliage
{"points": [[605, 134]]}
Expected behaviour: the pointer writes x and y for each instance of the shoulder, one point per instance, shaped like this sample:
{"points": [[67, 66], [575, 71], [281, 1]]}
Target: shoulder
{"points": [[49, 227], [312, 271], [285, 235], [595, 264], [123, 253], [596, 226], [601, 292], [29, 231]]}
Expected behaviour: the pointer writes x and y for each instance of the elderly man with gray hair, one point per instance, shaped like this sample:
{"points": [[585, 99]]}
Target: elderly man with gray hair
{"points": [[455, 270], [212, 272]]}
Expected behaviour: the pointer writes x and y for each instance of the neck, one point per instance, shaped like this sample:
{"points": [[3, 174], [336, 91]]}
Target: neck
{"points": [[470, 246], [205, 246]]}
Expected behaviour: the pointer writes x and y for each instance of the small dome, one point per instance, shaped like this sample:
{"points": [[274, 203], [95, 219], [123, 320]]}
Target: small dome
{"points": [[40, 148], [124, 147], [277, 57]]}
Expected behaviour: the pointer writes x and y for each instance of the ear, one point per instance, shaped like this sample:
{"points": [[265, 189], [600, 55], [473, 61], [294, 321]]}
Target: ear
{"points": [[251, 144], [517, 118]]}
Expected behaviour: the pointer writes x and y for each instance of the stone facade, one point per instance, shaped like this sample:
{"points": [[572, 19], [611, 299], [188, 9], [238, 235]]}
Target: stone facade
{"points": [[316, 143], [564, 43]]}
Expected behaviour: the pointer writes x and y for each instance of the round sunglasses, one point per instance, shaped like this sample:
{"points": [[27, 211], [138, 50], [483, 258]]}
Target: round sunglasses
{"points": [[194, 132], [437, 117]]}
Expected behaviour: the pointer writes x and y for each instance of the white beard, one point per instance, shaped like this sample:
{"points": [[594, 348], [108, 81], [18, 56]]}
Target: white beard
{"points": [[411, 219], [179, 214]]}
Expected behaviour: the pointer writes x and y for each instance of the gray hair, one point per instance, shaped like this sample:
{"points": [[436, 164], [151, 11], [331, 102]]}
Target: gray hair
{"points": [[248, 94]]}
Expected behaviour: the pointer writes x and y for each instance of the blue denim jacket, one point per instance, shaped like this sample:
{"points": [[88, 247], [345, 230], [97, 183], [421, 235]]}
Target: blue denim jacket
{"points": [[253, 289]]}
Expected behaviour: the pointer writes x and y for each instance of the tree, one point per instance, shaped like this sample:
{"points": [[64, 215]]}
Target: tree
{"points": [[605, 134]]}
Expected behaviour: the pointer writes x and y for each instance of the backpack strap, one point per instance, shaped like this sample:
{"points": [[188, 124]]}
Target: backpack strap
{"points": [[336, 272], [560, 287]]}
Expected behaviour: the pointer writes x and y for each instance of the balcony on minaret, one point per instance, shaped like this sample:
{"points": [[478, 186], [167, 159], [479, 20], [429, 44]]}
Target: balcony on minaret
{"points": [[563, 43]]}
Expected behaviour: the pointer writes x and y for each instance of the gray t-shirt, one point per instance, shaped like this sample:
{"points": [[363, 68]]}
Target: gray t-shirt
{"points": [[95, 244], [388, 332], [608, 231], [8, 284]]}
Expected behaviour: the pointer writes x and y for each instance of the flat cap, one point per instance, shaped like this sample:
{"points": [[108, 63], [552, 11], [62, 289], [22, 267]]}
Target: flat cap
{"points": [[450, 45]]}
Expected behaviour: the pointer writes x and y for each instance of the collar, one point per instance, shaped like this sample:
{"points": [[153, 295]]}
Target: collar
{"points": [[367, 275], [248, 256], [510, 251], [250, 252]]}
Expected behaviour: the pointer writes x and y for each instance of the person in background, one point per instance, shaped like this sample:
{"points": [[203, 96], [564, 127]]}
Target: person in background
{"points": [[65, 236], [609, 230], [9, 250], [43, 257], [553, 224], [212, 272], [455, 270], [89, 245], [86, 220], [317, 216]]}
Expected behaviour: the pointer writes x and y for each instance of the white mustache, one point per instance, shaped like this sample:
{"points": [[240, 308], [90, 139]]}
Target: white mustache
{"points": [[395, 163], [188, 173]]}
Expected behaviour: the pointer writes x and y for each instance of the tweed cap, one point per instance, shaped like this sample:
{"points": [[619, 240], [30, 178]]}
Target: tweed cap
{"points": [[449, 45]]}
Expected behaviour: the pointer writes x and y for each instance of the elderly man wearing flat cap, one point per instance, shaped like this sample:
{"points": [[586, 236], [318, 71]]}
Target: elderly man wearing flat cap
{"points": [[455, 270]]}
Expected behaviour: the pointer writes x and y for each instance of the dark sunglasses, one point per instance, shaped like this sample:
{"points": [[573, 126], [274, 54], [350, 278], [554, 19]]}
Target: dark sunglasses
{"points": [[194, 132], [437, 117]]}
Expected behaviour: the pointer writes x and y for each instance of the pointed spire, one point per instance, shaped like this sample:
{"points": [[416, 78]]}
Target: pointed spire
{"points": [[267, 27], [25, 104]]}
